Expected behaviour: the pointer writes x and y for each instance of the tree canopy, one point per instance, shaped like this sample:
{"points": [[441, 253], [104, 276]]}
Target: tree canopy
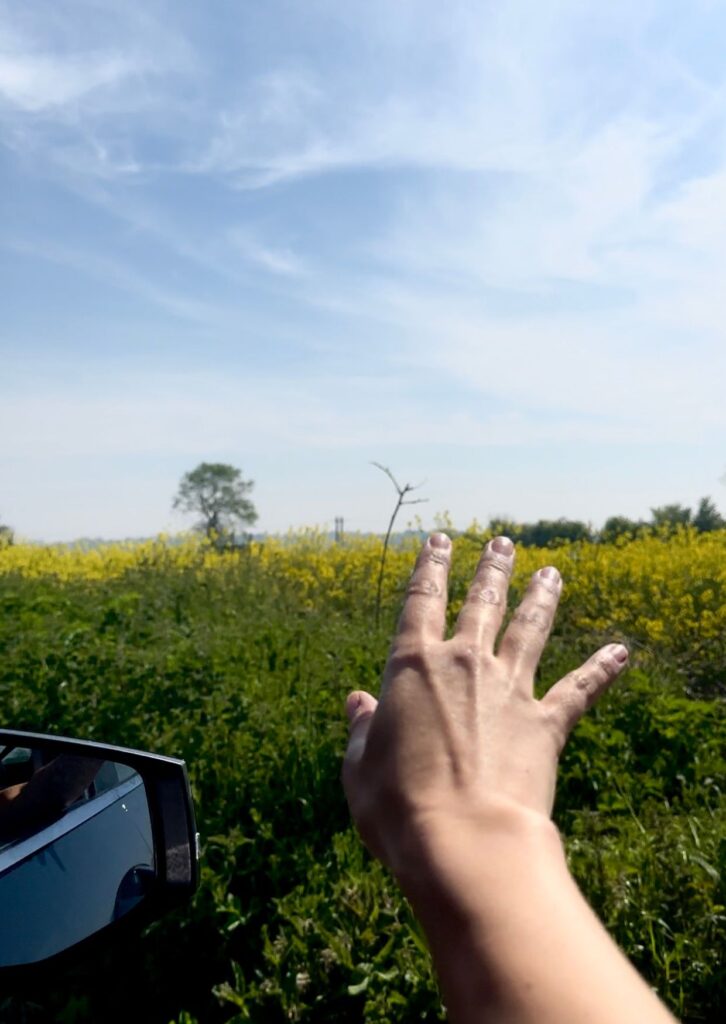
{"points": [[708, 517], [6, 535], [671, 515], [217, 494]]}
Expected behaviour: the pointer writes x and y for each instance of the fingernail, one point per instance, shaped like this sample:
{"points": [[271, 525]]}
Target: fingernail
{"points": [[620, 653], [502, 546], [550, 573], [439, 540]]}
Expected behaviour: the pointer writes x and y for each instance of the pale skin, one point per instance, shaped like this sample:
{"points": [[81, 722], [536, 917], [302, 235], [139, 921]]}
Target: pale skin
{"points": [[450, 778]]}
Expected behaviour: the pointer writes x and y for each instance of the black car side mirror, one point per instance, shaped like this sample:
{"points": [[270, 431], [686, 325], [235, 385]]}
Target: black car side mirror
{"points": [[92, 838]]}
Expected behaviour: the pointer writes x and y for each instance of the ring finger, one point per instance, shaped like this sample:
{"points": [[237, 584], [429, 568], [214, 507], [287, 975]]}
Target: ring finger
{"points": [[526, 635]]}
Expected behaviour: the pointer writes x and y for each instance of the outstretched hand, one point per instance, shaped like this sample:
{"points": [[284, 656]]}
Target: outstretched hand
{"points": [[458, 734]]}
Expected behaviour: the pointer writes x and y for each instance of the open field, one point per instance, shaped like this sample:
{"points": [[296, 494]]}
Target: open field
{"points": [[240, 663]]}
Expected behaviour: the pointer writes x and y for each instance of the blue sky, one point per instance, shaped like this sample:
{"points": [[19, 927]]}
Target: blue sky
{"points": [[481, 243]]}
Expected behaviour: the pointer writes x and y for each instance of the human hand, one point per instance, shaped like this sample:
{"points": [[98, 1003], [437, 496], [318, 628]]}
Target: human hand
{"points": [[458, 736]]}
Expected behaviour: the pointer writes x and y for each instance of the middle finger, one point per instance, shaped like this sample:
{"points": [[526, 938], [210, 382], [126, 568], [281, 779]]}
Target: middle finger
{"points": [[482, 613]]}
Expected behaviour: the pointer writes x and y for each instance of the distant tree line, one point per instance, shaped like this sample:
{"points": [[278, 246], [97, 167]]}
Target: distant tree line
{"points": [[550, 532], [218, 494], [6, 535]]}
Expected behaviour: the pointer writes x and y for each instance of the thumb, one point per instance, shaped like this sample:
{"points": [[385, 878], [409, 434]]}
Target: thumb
{"points": [[360, 708]]}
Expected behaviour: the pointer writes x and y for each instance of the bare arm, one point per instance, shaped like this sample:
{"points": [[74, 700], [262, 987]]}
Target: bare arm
{"points": [[451, 780], [48, 794]]}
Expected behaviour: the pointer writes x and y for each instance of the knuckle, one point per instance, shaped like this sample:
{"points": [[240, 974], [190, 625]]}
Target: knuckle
{"points": [[434, 556], [424, 586], [532, 619], [583, 690], [580, 682], [550, 586], [489, 586], [516, 640], [493, 565], [468, 657], [482, 594], [409, 657], [603, 665], [543, 609]]}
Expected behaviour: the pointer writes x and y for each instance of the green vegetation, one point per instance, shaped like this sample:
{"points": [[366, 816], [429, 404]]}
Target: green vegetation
{"points": [[228, 668]]}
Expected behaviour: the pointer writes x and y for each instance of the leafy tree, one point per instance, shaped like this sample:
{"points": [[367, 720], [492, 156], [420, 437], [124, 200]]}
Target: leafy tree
{"points": [[671, 515], [549, 532], [618, 526], [543, 533], [707, 517], [503, 526], [216, 493]]}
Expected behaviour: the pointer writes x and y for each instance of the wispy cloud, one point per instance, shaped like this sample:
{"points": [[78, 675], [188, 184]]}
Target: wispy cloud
{"points": [[282, 261], [119, 275], [289, 128], [75, 90], [40, 82], [514, 216], [176, 413]]}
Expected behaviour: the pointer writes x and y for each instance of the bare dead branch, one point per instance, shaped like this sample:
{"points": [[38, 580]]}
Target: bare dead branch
{"points": [[402, 492]]}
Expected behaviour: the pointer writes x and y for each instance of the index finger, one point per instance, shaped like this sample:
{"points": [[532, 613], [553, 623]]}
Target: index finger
{"points": [[424, 609]]}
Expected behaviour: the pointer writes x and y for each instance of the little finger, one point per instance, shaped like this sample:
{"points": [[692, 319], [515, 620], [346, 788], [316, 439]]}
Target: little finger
{"points": [[568, 700]]}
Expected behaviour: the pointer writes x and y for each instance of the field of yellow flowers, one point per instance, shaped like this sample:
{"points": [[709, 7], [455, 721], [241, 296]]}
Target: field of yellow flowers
{"points": [[239, 662], [664, 595]]}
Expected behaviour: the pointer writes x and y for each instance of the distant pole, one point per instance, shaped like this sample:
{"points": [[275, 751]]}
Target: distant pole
{"points": [[338, 529]]}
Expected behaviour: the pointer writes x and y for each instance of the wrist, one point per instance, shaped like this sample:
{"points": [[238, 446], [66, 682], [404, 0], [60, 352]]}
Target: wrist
{"points": [[452, 861], [510, 934]]}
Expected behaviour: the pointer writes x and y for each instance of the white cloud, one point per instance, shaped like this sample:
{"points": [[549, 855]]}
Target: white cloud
{"points": [[36, 82]]}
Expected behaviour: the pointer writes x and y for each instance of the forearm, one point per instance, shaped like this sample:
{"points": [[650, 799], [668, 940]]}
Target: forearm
{"points": [[512, 938], [50, 791]]}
